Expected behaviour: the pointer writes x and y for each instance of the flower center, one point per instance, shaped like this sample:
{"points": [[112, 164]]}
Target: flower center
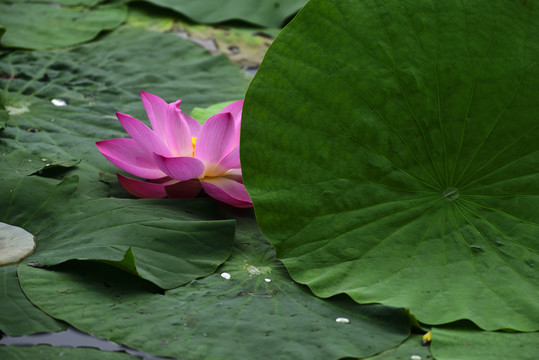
{"points": [[194, 141]]}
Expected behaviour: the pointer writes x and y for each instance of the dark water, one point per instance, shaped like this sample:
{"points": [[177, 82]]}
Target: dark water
{"points": [[73, 338]]}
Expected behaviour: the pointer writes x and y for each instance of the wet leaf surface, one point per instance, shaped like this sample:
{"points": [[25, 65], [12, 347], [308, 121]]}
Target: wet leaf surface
{"points": [[472, 344], [249, 308], [386, 161], [266, 13], [50, 353], [32, 25]]}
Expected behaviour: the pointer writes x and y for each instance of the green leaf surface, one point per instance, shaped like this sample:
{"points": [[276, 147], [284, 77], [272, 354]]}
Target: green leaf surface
{"points": [[95, 81], [44, 352], [162, 241], [265, 13], [465, 344], [31, 202], [390, 149], [73, 3], [408, 350], [203, 114], [28, 202], [17, 164], [19, 316], [168, 242], [44, 26], [15, 244], [256, 313]]}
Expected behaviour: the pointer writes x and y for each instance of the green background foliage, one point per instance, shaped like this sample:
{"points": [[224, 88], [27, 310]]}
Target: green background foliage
{"points": [[98, 79], [51, 353], [266, 13], [363, 117], [43, 26], [243, 317], [390, 149], [20, 316]]}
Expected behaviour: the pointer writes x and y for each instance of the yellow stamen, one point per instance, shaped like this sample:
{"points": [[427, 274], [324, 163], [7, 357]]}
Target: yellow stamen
{"points": [[427, 338], [194, 141]]}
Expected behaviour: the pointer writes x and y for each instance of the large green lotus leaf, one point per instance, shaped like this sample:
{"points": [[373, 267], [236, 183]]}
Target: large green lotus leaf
{"points": [[19, 316], [44, 26], [266, 13], [45, 352], [249, 309], [167, 242], [95, 80], [390, 149], [466, 344], [410, 349], [29, 202], [17, 164]]}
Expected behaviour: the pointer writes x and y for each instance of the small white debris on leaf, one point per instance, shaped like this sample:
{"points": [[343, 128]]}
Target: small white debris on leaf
{"points": [[58, 102]]}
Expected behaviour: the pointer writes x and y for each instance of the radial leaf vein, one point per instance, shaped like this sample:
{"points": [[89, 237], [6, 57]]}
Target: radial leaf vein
{"points": [[472, 92], [439, 101], [412, 113], [488, 133]]}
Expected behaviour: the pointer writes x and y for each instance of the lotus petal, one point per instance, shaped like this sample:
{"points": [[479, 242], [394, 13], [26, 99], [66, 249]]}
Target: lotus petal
{"points": [[180, 168], [142, 189], [129, 156], [194, 125], [215, 139], [183, 189], [143, 135], [227, 191], [156, 108], [232, 160], [236, 110]]}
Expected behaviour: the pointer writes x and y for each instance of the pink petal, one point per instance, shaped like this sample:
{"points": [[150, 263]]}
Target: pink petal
{"points": [[236, 110], [129, 156], [169, 123], [227, 191], [235, 174], [183, 189], [177, 132], [142, 189], [180, 168], [215, 138], [143, 135], [232, 160], [156, 108], [194, 125]]}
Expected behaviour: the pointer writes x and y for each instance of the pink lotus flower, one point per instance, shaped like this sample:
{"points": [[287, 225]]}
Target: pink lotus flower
{"points": [[180, 156]]}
